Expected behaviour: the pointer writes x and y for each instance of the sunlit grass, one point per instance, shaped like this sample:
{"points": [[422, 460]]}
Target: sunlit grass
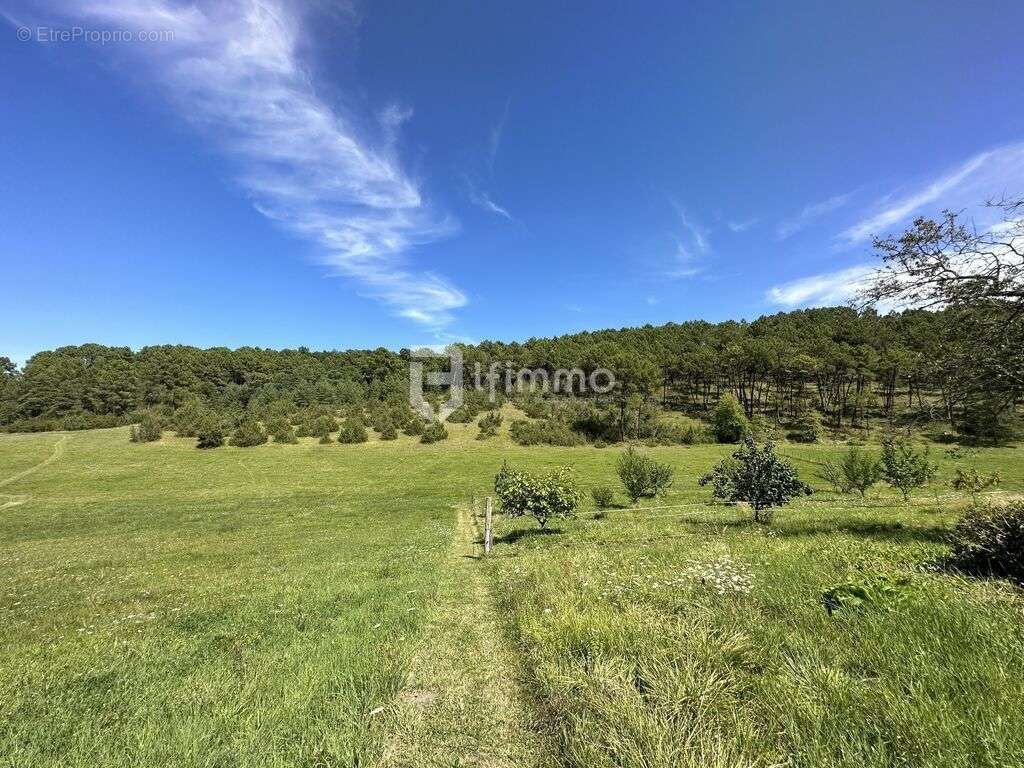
{"points": [[168, 606]]}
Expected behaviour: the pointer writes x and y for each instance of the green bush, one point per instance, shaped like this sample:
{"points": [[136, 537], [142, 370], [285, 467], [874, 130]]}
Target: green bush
{"points": [[643, 476], [989, 541], [434, 432], [680, 432], [210, 432], [389, 432], [757, 476], [414, 426], [552, 495], [281, 430], [546, 432], [762, 428], [603, 496], [189, 417], [352, 431], [148, 430], [534, 407], [464, 414], [316, 422], [807, 427], [489, 424], [321, 427], [728, 422], [248, 434]]}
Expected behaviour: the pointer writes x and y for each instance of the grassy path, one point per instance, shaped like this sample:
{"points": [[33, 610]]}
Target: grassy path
{"points": [[461, 705], [58, 452]]}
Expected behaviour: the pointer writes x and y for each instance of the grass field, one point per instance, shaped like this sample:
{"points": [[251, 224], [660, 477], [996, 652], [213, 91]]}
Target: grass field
{"points": [[326, 605]]}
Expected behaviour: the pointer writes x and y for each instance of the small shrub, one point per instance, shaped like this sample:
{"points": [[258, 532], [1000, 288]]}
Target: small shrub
{"points": [[905, 468], [389, 432], [414, 426], [464, 414], [762, 428], [989, 541], [546, 432], [489, 424], [681, 432], [281, 431], [148, 430], [210, 432], [248, 434], [321, 427], [643, 476], [603, 496], [434, 432], [807, 427], [973, 482], [534, 407], [728, 422], [757, 476], [352, 431], [189, 417]]}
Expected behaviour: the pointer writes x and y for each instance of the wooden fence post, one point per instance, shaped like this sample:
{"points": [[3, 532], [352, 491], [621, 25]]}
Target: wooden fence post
{"points": [[487, 527]]}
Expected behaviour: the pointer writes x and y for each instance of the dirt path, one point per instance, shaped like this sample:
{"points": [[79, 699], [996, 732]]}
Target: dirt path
{"points": [[461, 705], [58, 452]]}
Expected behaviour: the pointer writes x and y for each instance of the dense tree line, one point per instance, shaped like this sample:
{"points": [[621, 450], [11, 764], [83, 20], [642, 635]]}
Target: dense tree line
{"points": [[847, 365]]}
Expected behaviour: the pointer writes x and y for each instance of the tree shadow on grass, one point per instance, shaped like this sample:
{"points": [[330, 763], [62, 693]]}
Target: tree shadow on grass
{"points": [[524, 533], [891, 531]]}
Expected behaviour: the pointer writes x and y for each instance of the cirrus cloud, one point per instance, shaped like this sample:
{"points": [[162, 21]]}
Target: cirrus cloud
{"points": [[234, 71]]}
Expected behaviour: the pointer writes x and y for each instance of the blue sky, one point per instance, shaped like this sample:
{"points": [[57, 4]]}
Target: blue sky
{"points": [[394, 174]]}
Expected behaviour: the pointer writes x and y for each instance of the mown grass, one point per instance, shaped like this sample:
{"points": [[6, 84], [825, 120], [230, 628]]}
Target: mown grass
{"points": [[168, 606]]}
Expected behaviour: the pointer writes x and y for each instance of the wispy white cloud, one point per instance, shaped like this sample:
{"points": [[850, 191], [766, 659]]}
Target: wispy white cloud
{"points": [[483, 200], [233, 69], [697, 232], [821, 290], [741, 226], [810, 214], [497, 132], [692, 246], [985, 175], [683, 263]]}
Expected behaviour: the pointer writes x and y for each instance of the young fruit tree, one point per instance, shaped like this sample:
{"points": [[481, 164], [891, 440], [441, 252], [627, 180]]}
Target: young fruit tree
{"points": [[643, 476], [555, 494], [905, 468], [861, 470], [973, 482], [757, 476]]}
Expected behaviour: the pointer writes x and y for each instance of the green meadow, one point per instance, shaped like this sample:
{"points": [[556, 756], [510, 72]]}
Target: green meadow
{"points": [[329, 605]]}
